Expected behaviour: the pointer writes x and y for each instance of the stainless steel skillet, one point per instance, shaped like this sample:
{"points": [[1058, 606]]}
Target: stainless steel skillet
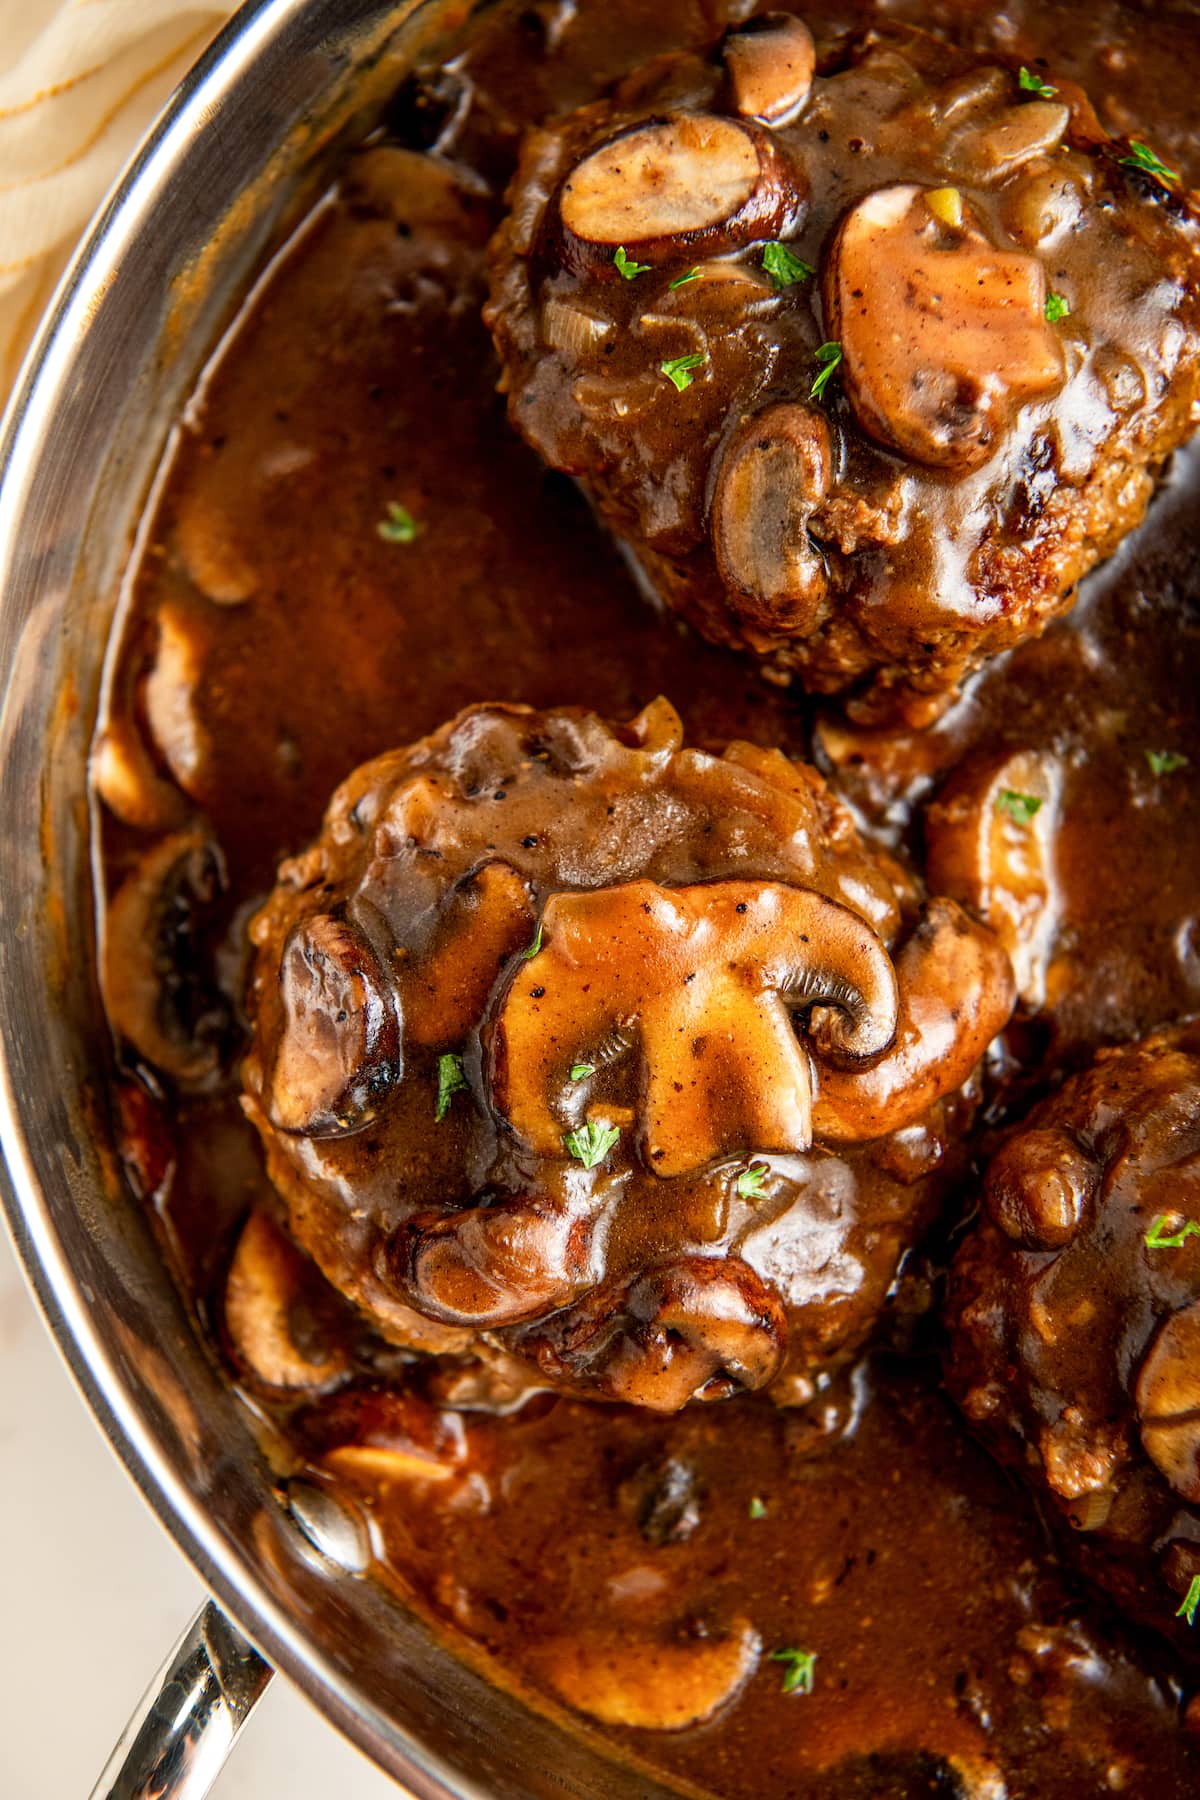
{"points": [[250, 138]]}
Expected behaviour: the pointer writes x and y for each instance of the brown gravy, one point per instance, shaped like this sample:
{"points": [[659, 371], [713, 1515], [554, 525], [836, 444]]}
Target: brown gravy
{"points": [[867, 1529]]}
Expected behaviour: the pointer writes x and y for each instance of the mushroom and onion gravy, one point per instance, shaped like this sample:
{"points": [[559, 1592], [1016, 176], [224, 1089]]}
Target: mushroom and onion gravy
{"points": [[686, 1117]]}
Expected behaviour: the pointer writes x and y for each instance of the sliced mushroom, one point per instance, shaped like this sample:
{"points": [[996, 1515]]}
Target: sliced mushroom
{"points": [[123, 775], [770, 60], [965, 1775], [696, 1328], [943, 335], [159, 988], [387, 1435], [170, 697], [688, 185], [338, 1054], [1039, 1186], [486, 919], [650, 1682], [992, 837], [1168, 1402], [208, 543], [774, 471], [279, 1312], [705, 979], [494, 1265], [956, 992]]}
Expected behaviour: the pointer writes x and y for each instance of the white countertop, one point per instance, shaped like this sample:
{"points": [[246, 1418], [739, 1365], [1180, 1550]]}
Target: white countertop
{"points": [[94, 1596]]}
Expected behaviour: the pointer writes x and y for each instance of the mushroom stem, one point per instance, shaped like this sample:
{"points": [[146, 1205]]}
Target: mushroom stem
{"points": [[770, 61], [956, 992]]}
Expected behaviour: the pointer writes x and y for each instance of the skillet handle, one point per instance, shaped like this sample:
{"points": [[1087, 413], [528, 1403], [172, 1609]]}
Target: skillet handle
{"points": [[175, 1745]]}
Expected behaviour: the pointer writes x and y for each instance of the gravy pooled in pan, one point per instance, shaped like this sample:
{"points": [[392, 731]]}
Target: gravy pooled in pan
{"points": [[592, 1092]]}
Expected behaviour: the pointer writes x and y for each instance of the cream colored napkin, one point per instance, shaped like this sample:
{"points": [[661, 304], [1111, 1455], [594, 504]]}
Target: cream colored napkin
{"points": [[80, 81]]}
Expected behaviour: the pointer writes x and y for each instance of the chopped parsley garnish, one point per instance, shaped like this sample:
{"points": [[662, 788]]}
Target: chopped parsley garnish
{"points": [[758, 1508], [1165, 762], [784, 268], [627, 268], [1191, 1600], [749, 1184], [536, 945], [590, 1143], [1141, 156], [799, 1669], [581, 1071], [451, 1081], [1033, 84], [1019, 807], [679, 368], [688, 275], [829, 356], [1159, 1238], [399, 527], [1057, 307]]}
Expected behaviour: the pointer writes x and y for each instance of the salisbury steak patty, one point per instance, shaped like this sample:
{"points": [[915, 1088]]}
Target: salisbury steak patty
{"points": [[1075, 1318], [627, 1060], [868, 365]]}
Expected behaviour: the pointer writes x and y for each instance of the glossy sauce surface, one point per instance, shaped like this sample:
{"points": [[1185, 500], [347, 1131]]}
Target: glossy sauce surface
{"points": [[951, 1645]]}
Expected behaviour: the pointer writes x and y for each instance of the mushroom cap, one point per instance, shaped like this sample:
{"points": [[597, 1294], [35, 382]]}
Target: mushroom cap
{"points": [[943, 334], [688, 184], [651, 1682], [338, 1051], [160, 989], [1168, 1402], [706, 980], [773, 472], [770, 60]]}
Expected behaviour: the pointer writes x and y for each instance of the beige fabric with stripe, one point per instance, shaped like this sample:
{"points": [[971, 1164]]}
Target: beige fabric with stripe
{"points": [[80, 82]]}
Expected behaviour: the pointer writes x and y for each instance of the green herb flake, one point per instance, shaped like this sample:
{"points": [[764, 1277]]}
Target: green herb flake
{"points": [[1159, 1238], [581, 1071], [679, 368], [749, 1184], [784, 268], [1191, 1601], [1033, 84], [535, 947], [688, 275], [1141, 156], [829, 356], [1165, 762], [590, 1143], [799, 1670], [1020, 808], [1057, 307], [451, 1080], [627, 268], [399, 527], [758, 1508]]}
